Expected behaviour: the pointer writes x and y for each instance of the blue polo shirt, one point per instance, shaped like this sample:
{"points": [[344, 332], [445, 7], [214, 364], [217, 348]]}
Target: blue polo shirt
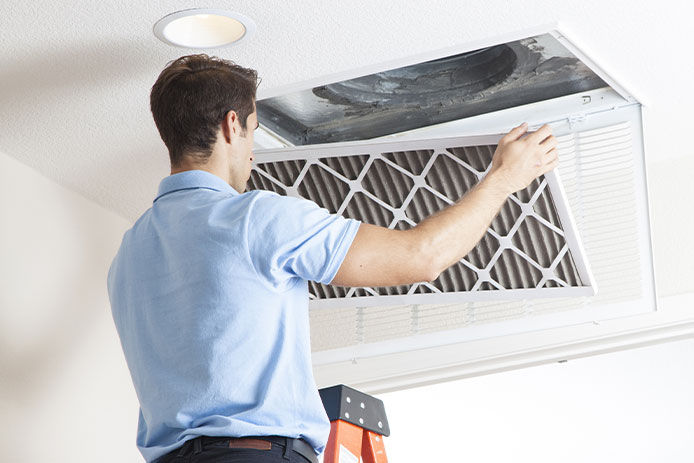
{"points": [[209, 295]]}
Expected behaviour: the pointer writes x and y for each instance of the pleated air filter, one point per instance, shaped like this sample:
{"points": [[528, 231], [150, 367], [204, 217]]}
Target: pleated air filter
{"points": [[530, 250]]}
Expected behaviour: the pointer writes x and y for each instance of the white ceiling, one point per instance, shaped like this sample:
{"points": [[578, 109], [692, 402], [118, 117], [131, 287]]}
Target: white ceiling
{"points": [[75, 79]]}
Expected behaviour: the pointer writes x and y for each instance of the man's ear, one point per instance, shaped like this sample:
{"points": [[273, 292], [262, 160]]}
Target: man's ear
{"points": [[228, 125]]}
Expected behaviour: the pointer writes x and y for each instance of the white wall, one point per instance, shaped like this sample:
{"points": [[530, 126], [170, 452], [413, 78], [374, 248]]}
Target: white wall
{"points": [[634, 406], [65, 392]]}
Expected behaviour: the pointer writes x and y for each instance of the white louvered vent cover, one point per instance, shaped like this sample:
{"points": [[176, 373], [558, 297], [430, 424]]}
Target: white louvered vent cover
{"points": [[530, 250]]}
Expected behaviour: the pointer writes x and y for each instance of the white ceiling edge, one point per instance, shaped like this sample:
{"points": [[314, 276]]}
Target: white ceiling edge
{"points": [[674, 320], [567, 38], [670, 191]]}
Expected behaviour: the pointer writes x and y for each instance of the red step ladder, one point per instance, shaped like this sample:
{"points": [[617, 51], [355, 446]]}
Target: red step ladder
{"points": [[357, 426]]}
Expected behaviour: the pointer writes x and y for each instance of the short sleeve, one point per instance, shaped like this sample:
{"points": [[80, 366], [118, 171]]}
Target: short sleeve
{"points": [[293, 237]]}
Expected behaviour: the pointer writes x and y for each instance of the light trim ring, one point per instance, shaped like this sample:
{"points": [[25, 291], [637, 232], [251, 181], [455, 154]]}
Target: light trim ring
{"points": [[203, 28]]}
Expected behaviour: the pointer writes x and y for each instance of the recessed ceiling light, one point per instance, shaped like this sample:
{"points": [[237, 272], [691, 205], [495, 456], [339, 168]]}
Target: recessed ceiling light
{"points": [[203, 28]]}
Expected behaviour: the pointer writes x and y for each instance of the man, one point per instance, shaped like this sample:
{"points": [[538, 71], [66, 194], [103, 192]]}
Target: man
{"points": [[209, 287]]}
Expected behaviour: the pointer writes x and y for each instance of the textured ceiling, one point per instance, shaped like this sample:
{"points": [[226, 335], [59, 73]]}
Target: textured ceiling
{"points": [[75, 75]]}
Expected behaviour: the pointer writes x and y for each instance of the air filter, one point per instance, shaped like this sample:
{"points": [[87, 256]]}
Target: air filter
{"points": [[530, 250]]}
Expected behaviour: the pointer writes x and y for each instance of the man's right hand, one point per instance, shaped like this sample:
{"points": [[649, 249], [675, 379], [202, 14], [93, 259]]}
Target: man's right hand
{"points": [[518, 159]]}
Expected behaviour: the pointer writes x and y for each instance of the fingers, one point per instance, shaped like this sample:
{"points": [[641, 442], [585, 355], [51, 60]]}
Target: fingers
{"points": [[515, 133], [549, 144], [551, 160], [551, 155], [550, 166], [539, 135]]}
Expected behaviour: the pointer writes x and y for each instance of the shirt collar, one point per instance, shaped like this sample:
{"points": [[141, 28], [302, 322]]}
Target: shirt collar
{"points": [[191, 179]]}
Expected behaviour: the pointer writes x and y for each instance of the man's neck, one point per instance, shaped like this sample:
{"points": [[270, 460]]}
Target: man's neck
{"points": [[210, 166]]}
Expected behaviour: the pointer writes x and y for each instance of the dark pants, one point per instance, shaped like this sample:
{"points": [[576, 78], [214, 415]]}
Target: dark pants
{"points": [[208, 450]]}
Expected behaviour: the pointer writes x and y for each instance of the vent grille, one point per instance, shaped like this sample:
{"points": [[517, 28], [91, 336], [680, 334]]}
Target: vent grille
{"points": [[525, 248]]}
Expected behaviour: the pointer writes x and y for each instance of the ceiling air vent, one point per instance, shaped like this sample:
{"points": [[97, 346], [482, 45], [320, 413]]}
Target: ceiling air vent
{"points": [[530, 250], [410, 136]]}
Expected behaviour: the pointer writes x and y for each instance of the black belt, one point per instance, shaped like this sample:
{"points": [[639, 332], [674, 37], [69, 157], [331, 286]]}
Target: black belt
{"points": [[300, 446]]}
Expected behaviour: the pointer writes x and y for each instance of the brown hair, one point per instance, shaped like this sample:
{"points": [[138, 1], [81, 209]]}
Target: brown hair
{"points": [[191, 97]]}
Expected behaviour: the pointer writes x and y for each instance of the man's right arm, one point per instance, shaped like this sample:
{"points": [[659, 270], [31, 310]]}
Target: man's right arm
{"points": [[382, 257]]}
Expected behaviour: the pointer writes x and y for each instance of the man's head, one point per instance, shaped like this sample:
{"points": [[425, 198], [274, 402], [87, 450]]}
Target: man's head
{"points": [[200, 102]]}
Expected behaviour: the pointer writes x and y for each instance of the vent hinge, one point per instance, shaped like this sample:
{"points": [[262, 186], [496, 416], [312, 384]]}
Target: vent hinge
{"points": [[575, 119]]}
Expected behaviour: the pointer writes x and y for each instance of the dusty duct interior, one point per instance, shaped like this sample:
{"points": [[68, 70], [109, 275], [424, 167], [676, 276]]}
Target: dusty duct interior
{"points": [[433, 92], [524, 247]]}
